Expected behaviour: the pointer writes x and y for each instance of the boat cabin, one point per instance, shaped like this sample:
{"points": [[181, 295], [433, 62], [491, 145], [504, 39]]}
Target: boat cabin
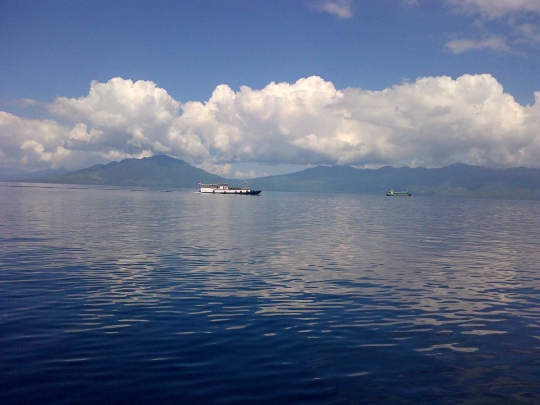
{"points": [[217, 186]]}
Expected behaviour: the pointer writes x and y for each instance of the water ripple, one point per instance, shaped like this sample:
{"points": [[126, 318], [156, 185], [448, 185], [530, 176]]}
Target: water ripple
{"points": [[286, 298]]}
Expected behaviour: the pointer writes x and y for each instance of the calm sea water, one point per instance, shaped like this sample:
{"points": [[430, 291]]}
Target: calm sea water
{"points": [[145, 296]]}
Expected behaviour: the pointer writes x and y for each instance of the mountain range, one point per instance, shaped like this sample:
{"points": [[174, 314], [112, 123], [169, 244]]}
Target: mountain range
{"points": [[155, 171], [454, 180], [7, 174]]}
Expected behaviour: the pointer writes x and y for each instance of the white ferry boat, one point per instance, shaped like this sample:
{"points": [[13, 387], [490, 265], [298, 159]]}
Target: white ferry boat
{"points": [[393, 193], [223, 188]]}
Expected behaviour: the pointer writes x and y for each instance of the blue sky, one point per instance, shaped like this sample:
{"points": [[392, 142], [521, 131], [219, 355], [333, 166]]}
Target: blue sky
{"points": [[379, 71]]}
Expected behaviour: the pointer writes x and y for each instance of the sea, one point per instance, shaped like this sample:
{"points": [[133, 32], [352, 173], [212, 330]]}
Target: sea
{"points": [[127, 295]]}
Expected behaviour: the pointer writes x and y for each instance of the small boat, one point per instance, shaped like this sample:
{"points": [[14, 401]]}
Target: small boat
{"points": [[223, 188], [393, 193]]}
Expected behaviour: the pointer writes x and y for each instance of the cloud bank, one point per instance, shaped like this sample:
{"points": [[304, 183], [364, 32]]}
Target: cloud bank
{"points": [[433, 121]]}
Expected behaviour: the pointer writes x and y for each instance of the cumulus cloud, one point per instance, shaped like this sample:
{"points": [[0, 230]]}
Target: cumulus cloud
{"points": [[433, 121], [119, 103], [497, 44], [339, 8]]}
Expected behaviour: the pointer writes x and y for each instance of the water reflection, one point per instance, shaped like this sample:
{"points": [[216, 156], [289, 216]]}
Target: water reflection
{"points": [[345, 287]]}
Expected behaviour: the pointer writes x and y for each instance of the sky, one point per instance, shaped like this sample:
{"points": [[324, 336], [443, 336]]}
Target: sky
{"points": [[246, 88]]}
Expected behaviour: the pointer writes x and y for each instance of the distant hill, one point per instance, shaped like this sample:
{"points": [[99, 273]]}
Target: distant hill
{"points": [[7, 174], [454, 180], [10, 175], [155, 171]]}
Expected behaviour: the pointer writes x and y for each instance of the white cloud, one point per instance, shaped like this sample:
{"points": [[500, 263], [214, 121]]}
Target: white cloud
{"points": [[491, 9], [433, 121], [497, 44], [339, 8], [31, 143], [499, 16], [221, 170], [40, 144], [26, 102], [132, 118], [411, 3], [528, 33], [118, 103], [243, 175]]}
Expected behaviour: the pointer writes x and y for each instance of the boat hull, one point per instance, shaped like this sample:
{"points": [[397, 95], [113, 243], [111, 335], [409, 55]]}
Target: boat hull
{"points": [[234, 192], [223, 188]]}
